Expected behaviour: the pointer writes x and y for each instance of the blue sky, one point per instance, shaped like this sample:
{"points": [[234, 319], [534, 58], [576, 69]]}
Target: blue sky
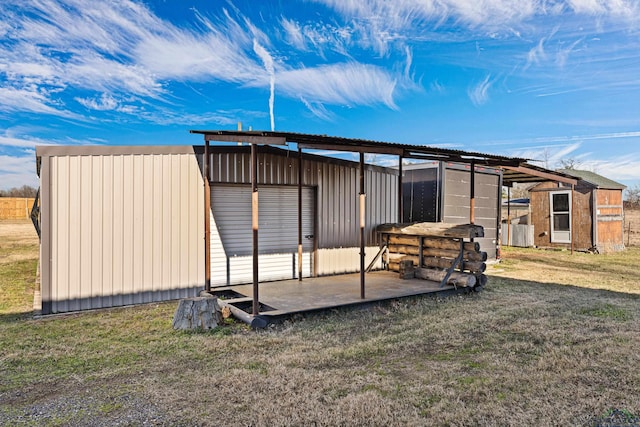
{"points": [[542, 79]]}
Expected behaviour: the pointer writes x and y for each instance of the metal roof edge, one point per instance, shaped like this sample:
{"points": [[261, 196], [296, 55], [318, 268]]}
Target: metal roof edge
{"points": [[105, 150], [362, 145]]}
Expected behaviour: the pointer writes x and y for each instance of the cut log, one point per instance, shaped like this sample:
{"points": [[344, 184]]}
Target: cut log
{"points": [[481, 280], [404, 240], [197, 313], [472, 266], [449, 244], [450, 253], [400, 257], [456, 278], [436, 229], [404, 249], [434, 244]]}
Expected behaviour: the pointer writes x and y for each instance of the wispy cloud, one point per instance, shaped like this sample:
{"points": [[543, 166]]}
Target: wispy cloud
{"points": [[105, 102], [293, 33], [343, 84], [118, 49], [318, 110], [619, 168], [479, 94], [10, 140], [437, 87]]}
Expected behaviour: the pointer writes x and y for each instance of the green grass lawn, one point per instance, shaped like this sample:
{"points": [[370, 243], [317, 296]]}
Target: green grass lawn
{"points": [[552, 340]]}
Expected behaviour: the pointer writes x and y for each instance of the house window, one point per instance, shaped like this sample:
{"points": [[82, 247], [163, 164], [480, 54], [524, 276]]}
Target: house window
{"points": [[560, 206]]}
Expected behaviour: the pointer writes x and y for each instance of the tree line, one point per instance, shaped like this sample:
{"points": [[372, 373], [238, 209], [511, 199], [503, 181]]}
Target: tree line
{"points": [[24, 191]]}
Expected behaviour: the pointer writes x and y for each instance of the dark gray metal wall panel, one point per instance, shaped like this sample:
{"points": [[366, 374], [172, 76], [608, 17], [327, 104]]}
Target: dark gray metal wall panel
{"points": [[420, 195], [337, 183]]}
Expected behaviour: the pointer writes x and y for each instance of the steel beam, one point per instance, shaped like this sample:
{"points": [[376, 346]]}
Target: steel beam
{"points": [[207, 220], [254, 223], [300, 165], [362, 224]]}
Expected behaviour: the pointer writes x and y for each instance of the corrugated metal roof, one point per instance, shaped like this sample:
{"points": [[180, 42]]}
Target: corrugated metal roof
{"points": [[528, 173], [594, 179], [359, 145]]}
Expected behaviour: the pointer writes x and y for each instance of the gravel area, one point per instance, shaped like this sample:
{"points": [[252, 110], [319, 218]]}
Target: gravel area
{"points": [[85, 410]]}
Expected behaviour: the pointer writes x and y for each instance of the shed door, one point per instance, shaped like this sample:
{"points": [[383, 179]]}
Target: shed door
{"points": [[277, 235], [560, 215]]}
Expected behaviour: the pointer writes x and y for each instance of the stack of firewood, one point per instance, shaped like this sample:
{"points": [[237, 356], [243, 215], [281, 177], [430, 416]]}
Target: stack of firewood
{"points": [[440, 246]]}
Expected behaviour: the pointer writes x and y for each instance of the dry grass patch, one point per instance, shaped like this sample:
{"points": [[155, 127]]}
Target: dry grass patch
{"points": [[18, 264], [616, 271], [554, 347]]}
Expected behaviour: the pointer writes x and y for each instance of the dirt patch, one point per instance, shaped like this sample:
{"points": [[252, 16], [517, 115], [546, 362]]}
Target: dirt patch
{"points": [[18, 239]]}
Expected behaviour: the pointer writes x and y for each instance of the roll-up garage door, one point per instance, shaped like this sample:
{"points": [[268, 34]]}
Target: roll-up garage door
{"points": [[277, 235]]}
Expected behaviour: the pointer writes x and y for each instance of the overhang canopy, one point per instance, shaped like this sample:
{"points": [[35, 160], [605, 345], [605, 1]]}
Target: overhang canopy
{"points": [[528, 173], [324, 142]]}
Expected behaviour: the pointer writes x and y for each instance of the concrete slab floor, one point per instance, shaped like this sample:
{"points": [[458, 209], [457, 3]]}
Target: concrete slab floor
{"points": [[318, 293]]}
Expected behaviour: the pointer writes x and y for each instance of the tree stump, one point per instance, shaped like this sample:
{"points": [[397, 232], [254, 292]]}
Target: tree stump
{"points": [[197, 313]]}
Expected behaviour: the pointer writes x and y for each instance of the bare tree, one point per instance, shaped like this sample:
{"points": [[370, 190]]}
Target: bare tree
{"points": [[24, 191], [570, 163], [632, 196], [546, 157]]}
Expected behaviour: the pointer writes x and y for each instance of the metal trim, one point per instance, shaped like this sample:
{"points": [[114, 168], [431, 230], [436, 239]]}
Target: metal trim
{"points": [[110, 150], [45, 242]]}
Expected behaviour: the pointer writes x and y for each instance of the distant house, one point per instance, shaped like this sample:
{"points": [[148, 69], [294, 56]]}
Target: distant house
{"points": [[591, 214]]}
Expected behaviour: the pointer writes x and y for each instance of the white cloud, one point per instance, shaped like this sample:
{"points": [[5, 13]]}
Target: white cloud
{"points": [[536, 54], [479, 94], [563, 53], [342, 84], [293, 33], [437, 87], [104, 103], [31, 99], [17, 171], [113, 49], [8, 140], [382, 23], [318, 110]]}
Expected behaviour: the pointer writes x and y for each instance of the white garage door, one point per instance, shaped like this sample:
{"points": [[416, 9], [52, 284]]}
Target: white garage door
{"points": [[277, 235]]}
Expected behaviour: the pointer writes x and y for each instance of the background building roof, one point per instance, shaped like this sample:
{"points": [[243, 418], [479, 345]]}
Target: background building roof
{"points": [[594, 179]]}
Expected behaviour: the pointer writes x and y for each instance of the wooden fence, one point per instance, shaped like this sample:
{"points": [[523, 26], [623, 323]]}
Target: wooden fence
{"points": [[15, 207]]}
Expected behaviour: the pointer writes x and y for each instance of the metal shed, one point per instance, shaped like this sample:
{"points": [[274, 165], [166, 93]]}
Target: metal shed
{"points": [[439, 192], [124, 225]]}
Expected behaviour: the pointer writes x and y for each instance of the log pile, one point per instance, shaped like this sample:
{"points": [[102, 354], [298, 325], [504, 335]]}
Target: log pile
{"points": [[438, 246]]}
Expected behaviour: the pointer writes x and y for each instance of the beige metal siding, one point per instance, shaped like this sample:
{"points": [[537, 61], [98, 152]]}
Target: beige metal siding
{"points": [[123, 229]]}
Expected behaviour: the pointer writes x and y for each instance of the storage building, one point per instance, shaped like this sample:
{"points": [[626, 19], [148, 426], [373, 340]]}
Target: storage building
{"points": [[591, 214]]}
